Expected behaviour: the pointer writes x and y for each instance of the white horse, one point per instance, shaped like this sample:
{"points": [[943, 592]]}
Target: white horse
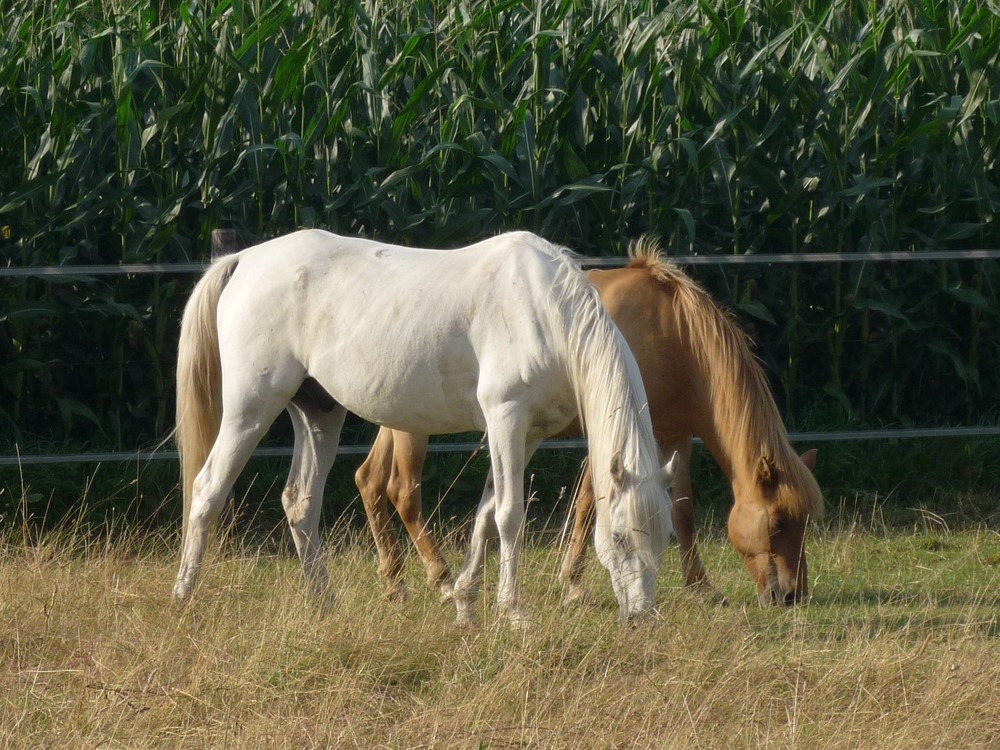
{"points": [[504, 336]]}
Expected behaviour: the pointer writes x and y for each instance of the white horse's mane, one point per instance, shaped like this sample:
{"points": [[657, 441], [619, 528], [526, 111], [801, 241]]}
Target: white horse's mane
{"points": [[613, 413]]}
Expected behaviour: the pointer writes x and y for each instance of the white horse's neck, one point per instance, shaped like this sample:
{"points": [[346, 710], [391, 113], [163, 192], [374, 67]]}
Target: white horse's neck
{"points": [[610, 396]]}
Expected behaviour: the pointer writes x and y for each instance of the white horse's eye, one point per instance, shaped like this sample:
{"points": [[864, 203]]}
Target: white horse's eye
{"points": [[620, 541]]}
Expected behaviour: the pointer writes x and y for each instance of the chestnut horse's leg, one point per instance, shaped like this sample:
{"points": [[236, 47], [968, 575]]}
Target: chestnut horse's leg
{"points": [[408, 454], [683, 516], [584, 519], [372, 479], [392, 473]]}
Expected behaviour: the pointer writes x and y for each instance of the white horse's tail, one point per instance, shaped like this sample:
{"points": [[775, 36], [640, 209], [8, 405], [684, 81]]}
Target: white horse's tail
{"points": [[199, 376]]}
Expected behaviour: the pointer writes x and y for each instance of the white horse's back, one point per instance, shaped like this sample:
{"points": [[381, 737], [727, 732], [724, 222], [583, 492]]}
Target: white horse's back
{"points": [[399, 336]]}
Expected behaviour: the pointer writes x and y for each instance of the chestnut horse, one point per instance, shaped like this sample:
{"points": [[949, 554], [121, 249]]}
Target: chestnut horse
{"points": [[701, 379]]}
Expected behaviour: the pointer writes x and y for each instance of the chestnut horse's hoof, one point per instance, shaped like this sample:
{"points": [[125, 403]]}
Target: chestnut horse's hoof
{"points": [[397, 593], [708, 594], [577, 596]]}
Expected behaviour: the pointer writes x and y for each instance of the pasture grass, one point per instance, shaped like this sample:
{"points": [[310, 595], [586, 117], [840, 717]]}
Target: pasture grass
{"points": [[898, 648]]}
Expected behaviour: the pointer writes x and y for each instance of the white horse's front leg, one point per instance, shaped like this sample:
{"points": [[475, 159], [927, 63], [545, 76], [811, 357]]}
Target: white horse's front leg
{"points": [[502, 505], [509, 516], [510, 454]]}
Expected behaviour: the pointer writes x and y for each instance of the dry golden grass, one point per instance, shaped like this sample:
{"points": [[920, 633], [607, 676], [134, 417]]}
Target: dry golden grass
{"points": [[898, 649]]}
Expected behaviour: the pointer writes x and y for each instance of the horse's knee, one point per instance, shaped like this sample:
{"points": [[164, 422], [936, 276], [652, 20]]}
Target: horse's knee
{"points": [[408, 502], [362, 478], [370, 486], [296, 504]]}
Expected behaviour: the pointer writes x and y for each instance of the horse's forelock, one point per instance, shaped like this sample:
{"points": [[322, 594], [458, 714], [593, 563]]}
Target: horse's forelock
{"points": [[799, 495]]}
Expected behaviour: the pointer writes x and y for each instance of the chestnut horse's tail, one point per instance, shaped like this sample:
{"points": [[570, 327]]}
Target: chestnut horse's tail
{"points": [[199, 376]]}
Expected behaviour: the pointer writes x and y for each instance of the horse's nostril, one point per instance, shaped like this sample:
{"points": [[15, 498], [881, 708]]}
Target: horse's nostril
{"points": [[791, 598]]}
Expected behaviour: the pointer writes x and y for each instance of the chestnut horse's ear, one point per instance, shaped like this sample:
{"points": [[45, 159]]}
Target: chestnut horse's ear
{"points": [[809, 459], [767, 472], [617, 469]]}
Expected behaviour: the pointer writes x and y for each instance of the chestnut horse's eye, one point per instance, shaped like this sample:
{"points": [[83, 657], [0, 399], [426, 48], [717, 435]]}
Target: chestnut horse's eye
{"points": [[774, 525]]}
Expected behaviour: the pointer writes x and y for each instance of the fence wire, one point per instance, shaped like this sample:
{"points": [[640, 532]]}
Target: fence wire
{"points": [[141, 456], [130, 269]]}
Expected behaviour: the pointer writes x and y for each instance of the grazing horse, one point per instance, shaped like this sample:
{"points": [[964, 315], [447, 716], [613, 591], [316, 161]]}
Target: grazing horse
{"points": [[505, 336], [702, 379]]}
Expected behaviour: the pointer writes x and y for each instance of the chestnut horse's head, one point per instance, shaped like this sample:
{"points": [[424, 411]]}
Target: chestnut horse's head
{"points": [[767, 525]]}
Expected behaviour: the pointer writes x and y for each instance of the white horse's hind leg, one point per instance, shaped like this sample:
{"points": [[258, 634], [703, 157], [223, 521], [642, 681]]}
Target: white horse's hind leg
{"points": [[466, 588], [236, 440], [317, 434]]}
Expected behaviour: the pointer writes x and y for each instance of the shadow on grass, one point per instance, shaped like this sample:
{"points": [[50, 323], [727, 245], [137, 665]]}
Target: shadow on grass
{"points": [[876, 611], [895, 597]]}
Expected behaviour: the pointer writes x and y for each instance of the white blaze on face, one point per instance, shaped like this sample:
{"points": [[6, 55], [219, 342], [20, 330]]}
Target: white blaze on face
{"points": [[633, 573], [624, 544]]}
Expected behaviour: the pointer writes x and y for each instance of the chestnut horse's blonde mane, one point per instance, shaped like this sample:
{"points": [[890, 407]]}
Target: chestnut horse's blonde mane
{"points": [[737, 384]]}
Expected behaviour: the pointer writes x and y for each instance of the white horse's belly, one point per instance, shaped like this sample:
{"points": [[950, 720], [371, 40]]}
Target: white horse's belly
{"points": [[432, 406], [438, 392]]}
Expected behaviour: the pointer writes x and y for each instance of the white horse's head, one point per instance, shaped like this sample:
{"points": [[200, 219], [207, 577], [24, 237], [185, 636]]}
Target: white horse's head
{"points": [[633, 525]]}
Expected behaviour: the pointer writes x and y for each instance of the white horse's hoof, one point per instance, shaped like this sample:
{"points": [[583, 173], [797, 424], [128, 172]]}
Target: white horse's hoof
{"points": [[466, 620], [446, 591], [181, 593], [465, 607], [519, 620]]}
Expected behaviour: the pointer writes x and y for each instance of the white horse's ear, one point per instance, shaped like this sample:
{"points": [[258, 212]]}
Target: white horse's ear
{"points": [[617, 470], [669, 470]]}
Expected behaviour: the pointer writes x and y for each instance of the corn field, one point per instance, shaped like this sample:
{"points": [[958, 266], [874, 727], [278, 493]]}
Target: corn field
{"points": [[133, 129]]}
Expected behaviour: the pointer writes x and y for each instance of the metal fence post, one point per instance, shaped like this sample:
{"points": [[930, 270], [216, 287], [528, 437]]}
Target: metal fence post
{"points": [[225, 242]]}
